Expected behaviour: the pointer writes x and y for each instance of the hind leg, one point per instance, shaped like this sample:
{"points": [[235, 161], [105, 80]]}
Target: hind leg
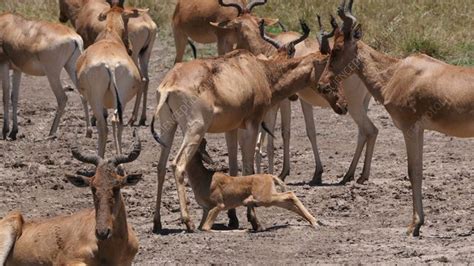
{"points": [[5, 75], [15, 94], [180, 41], [231, 138], [144, 63], [289, 201]]}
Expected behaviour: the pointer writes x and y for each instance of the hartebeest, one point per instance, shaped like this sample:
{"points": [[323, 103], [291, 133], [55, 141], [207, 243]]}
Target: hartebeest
{"points": [[108, 77], [248, 37], [37, 48], [223, 94], [99, 236], [84, 14], [419, 92], [192, 18], [216, 191]]}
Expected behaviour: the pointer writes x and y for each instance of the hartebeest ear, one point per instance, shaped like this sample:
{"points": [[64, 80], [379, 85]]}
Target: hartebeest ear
{"points": [[357, 32], [131, 180], [134, 12], [78, 180]]}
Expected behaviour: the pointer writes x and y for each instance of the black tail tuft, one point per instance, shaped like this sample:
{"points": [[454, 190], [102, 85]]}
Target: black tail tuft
{"points": [[193, 47], [155, 135], [264, 126]]}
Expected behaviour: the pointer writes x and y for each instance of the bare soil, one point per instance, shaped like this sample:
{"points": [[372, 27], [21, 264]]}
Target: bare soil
{"points": [[362, 223]]}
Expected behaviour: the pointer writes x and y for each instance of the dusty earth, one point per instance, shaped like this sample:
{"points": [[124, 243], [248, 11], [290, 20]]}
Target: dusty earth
{"points": [[362, 223]]}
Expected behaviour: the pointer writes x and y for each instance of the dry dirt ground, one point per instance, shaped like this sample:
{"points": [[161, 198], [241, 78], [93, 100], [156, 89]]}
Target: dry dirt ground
{"points": [[363, 223]]}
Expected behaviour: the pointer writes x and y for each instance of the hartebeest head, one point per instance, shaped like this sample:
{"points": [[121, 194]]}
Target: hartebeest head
{"points": [[116, 19], [105, 184], [343, 60]]}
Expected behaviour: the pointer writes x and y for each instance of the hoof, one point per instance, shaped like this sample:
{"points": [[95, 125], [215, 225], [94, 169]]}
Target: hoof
{"points": [[233, 224], [12, 135], [284, 175], [142, 122], [362, 180], [5, 133], [316, 182], [190, 228], [414, 230], [346, 180], [157, 228], [93, 121], [258, 228], [89, 134]]}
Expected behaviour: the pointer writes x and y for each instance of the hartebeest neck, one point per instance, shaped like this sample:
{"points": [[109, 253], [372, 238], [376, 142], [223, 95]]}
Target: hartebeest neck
{"points": [[375, 69], [289, 76], [252, 42], [115, 29], [198, 174]]}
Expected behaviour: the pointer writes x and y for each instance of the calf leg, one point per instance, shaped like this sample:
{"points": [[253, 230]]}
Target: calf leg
{"points": [[231, 138], [211, 217], [289, 201], [5, 75]]}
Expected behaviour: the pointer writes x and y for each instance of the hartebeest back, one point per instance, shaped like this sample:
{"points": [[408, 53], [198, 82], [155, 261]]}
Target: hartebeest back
{"points": [[99, 236], [142, 31], [37, 48], [419, 92], [223, 94], [108, 77]]}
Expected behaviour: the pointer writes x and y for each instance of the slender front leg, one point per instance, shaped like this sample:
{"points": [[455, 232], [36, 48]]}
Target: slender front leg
{"points": [[15, 95], [231, 138], [270, 121], [5, 75], [168, 130], [311, 133], [414, 145], [285, 108], [61, 98]]}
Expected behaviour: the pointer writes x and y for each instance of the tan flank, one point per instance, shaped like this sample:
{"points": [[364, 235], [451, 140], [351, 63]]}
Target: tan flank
{"points": [[142, 31], [37, 48], [99, 236], [108, 77], [420, 93], [224, 94]]}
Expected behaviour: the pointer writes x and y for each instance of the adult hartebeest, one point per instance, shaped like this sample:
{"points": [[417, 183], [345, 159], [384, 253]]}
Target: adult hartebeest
{"points": [[37, 48], [100, 236], [84, 14], [419, 92], [223, 94], [358, 98], [108, 77], [193, 18]]}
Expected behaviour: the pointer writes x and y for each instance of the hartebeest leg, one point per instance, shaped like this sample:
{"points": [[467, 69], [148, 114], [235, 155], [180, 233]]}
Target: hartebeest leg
{"points": [[270, 121], [311, 133], [366, 137], [414, 145], [231, 138], [205, 213], [285, 111], [167, 132], [289, 201], [248, 142], [61, 97], [16, 80], [180, 41], [101, 124], [5, 75]]}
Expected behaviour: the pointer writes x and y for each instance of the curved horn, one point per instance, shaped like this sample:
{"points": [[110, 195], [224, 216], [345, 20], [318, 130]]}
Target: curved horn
{"points": [[78, 155], [345, 13], [118, 3], [132, 156], [264, 36], [253, 4], [306, 31], [239, 8], [324, 37]]}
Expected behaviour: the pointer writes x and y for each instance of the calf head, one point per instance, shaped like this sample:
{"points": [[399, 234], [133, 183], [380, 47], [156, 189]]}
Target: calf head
{"points": [[105, 183]]}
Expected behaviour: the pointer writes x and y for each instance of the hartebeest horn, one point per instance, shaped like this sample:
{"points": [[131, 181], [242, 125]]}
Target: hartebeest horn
{"points": [[324, 37], [78, 155], [132, 156], [306, 31], [345, 13], [239, 8], [264, 36], [256, 3]]}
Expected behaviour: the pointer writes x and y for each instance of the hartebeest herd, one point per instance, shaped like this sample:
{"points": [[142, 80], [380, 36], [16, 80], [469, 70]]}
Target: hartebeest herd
{"points": [[237, 93]]}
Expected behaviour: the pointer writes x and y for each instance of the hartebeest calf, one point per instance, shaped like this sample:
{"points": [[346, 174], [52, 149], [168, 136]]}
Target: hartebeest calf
{"points": [[37, 48], [216, 191], [192, 19], [108, 77], [248, 37], [100, 236], [419, 92], [141, 33], [223, 94]]}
